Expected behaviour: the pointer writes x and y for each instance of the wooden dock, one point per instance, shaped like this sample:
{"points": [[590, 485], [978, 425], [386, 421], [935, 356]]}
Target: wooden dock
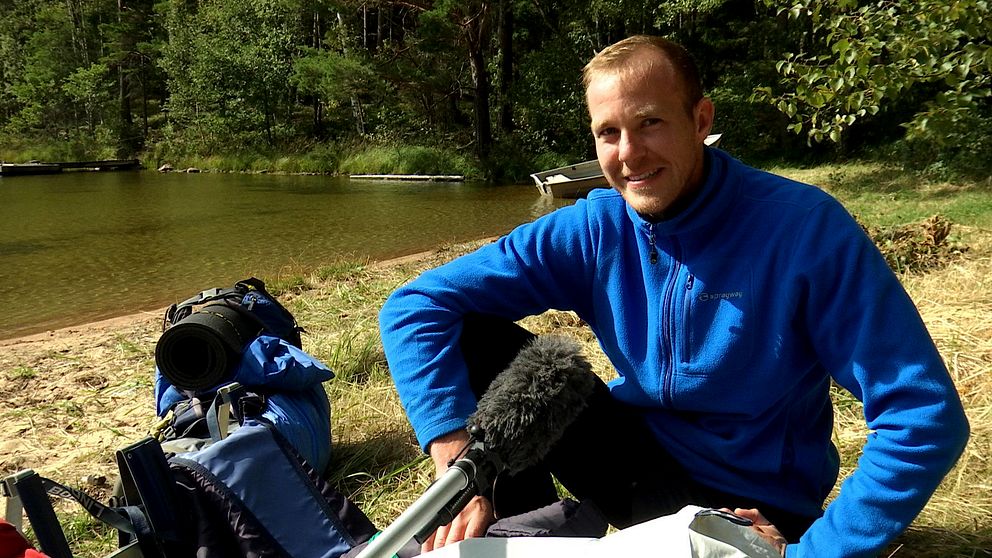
{"points": [[27, 169], [420, 177]]}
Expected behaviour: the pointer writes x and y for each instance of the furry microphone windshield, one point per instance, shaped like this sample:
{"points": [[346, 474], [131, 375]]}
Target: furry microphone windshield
{"points": [[530, 404]]}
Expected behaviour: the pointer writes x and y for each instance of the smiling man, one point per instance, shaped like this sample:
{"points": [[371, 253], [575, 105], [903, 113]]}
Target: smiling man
{"points": [[649, 125], [728, 300]]}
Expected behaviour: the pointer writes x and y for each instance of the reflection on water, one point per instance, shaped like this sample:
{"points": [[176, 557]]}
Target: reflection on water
{"points": [[78, 247], [543, 205]]}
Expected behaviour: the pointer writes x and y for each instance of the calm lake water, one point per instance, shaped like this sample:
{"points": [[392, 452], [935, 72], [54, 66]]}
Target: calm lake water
{"points": [[82, 246]]}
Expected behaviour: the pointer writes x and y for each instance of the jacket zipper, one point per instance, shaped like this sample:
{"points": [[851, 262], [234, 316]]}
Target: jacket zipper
{"points": [[686, 306], [653, 253], [668, 325]]}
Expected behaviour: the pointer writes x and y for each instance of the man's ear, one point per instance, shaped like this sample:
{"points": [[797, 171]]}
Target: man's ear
{"points": [[703, 114]]}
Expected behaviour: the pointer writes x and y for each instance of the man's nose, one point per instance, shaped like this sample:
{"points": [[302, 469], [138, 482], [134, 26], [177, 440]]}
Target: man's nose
{"points": [[630, 147]]}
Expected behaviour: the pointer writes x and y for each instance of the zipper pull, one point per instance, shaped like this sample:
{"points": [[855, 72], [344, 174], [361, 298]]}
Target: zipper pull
{"points": [[689, 282], [653, 254]]}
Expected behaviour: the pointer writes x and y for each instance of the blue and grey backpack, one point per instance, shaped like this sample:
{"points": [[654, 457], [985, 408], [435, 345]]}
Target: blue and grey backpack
{"points": [[244, 437]]}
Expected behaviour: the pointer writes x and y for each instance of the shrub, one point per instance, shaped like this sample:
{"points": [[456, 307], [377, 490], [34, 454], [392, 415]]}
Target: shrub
{"points": [[409, 159]]}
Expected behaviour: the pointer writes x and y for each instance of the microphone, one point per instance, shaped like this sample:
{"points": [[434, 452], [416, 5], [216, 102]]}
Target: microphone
{"points": [[524, 412], [529, 405]]}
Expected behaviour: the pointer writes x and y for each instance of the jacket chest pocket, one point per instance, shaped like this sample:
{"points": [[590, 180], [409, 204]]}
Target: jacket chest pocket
{"points": [[716, 332]]}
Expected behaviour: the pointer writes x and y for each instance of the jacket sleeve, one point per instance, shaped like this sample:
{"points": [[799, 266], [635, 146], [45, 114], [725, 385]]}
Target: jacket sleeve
{"points": [[868, 334], [537, 267]]}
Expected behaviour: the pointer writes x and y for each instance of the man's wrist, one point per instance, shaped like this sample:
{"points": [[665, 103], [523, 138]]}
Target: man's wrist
{"points": [[446, 448]]}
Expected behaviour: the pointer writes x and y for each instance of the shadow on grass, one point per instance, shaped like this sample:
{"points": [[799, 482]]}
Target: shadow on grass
{"points": [[355, 464], [935, 542]]}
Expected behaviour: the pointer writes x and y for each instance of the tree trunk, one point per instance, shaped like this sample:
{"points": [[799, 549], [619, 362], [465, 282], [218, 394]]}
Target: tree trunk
{"points": [[359, 114], [380, 24], [316, 34], [318, 116], [75, 10], [144, 111], [475, 35], [506, 66], [127, 122], [125, 100], [356, 105]]}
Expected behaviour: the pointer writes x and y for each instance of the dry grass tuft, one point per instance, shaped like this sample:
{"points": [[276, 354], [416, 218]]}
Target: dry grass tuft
{"points": [[917, 247]]}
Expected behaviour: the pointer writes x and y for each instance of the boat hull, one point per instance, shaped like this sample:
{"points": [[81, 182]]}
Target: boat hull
{"points": [[574, 189], [573, 181]]}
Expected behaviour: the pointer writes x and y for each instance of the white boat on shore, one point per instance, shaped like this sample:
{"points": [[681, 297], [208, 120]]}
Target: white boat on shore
{"points": [[575, 181]]}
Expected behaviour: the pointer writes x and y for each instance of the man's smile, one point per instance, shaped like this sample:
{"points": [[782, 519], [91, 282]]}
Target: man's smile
{"points": [[639, 177]]}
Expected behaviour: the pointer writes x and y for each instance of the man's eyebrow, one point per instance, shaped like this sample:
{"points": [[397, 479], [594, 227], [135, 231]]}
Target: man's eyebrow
{"points": [[643, 111], [599, 124], [647, 110]]}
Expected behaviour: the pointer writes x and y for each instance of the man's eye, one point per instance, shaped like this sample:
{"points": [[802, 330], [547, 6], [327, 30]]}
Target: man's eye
{"points": [[650, 122], [607, 132]]}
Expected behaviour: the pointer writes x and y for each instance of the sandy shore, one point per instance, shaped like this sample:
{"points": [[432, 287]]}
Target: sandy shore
{"points": [[70, 394], [59, 337]]}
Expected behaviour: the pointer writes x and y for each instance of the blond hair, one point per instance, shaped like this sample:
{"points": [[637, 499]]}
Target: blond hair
{"points": [[620, 58]]}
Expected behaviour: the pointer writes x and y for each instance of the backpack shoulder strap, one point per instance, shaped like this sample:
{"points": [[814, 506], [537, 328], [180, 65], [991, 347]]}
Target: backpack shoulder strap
{"points": [[25, 491], [29, 491]]}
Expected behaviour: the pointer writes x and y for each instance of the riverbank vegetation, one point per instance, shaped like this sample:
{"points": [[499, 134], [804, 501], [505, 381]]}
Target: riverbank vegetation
{"points": [[489, 87], [74, 397], [342, 158]]}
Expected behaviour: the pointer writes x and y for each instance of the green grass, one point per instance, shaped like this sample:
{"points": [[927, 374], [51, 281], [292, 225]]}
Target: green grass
{"points": [[886, 196], [14, 150], [85, 535], [22, 373], [129, 348], [407, 159], [328, 158]]}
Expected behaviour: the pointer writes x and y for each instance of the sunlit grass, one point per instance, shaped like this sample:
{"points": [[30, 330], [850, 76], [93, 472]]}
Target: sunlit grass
{"points": [[332, 158], [408, 159], [886, 196]]}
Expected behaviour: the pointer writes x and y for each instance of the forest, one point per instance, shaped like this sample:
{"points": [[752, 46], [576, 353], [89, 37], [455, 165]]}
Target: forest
{"points": [[491, 86]]}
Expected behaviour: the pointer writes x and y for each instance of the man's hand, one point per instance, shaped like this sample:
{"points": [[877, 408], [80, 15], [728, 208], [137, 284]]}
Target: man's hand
{"points": [[765, 529], [477, 515]]}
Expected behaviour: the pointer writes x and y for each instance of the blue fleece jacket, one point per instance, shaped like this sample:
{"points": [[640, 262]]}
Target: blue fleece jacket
{"points": [[728, 322]]}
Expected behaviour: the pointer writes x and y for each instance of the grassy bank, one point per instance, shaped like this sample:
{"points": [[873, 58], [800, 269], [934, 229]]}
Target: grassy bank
{"points": [[325, 158], [77, 396], [332, 159]]}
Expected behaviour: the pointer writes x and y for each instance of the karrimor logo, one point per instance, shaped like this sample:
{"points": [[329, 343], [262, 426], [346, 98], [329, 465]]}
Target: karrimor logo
{"points": [[706, 297]]}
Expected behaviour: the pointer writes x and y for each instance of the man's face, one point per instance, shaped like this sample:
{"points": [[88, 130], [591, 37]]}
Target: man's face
{"points": [[649, 145]]}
